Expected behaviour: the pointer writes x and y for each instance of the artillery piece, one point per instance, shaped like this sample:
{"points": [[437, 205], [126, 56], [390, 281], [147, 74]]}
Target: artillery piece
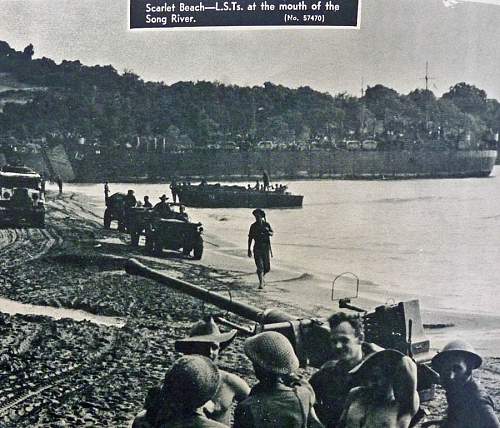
{"points": [[389, 326]]}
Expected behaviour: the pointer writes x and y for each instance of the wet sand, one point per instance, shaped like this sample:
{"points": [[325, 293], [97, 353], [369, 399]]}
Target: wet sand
{"points": [[98, 374]]}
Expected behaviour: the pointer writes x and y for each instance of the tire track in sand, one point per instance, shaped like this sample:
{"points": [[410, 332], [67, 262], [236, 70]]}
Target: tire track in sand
{"points": [[23, 245]]}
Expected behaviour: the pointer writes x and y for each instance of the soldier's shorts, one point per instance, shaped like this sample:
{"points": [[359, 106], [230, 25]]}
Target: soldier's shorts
{"points": [[262, 260]]}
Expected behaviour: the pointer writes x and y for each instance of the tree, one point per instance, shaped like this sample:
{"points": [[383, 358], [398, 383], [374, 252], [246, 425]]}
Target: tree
{"points": [[467, 98]]}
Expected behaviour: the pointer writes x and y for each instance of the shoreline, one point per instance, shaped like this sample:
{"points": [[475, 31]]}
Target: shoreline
{"points": [[116, 365], [309, 294]]}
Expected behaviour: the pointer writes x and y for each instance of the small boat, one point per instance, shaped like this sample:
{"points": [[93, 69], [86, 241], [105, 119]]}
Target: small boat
{"points": [[218, 196]]}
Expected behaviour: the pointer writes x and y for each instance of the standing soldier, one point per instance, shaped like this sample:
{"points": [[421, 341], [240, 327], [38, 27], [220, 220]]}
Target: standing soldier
{"points": [[173, 189], [265, 180], [59, 184], [106, 191], [260, 232]]}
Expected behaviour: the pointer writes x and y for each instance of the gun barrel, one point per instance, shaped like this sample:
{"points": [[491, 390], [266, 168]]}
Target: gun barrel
{"points": [[133, 267]]}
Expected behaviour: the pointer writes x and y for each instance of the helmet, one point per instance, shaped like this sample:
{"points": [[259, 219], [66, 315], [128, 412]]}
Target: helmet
{"points": [[460, 347], [272, 352]]}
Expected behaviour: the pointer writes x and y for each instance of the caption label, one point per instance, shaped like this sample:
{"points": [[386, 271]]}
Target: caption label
{"points": [[242, 13]]}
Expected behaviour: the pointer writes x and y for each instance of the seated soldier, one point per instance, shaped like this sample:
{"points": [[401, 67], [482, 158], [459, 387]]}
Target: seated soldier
{"points": [[206, 339], [272, 402], [388, 397], [182, 213], [332, 382], [188, 386], [468, 403], [162, 208], [130, 201], [146, 203]]}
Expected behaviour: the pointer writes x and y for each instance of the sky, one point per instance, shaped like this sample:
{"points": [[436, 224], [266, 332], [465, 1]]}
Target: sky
{"points": [[460, 39]]}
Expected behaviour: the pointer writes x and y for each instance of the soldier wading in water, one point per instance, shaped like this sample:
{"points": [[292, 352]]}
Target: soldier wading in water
{"points": [[260, 232]]}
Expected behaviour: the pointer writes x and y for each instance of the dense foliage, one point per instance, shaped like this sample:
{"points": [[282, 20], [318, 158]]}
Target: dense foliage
{"points": [[70, 100]]}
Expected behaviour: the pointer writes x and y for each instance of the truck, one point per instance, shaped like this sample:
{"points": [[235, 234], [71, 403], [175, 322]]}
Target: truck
{"points": [[22, 199]]}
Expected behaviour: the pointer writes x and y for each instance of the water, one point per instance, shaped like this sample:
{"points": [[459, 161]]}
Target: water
{"points": [[436, 240], [12, 307]]}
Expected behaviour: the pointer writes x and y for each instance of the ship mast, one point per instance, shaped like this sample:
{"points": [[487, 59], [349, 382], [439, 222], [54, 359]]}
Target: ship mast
{"points": [[362, 113], [427, 78]]}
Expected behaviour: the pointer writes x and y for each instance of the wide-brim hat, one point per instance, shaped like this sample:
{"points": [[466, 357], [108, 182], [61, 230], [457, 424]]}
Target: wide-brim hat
{"points": [[272, 352], [163, 197], [205, 331], [258, 212], [192, 381], [387, 358], [458, 347]]}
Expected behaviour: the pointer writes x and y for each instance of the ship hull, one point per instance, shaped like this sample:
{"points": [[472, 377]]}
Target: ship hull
{"points": [[335, 163], [281, 164]]}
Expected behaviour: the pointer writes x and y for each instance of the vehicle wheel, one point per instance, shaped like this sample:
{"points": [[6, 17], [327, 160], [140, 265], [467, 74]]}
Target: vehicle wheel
{"points": [[186, 249], [107, 219], [149, 245], [40, 221], [198, 249], [157, 248], [134, 239]]}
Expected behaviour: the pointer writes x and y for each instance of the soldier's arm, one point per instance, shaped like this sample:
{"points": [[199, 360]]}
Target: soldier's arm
{"points": [[405, 387], [487, 413], [239, 386], [250, 239]]}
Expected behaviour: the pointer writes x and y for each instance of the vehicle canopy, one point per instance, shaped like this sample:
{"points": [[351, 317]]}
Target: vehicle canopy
{"points": [[11, 180]]}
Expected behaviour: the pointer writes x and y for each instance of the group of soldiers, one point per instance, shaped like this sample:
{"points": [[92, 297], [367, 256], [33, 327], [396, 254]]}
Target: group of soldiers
{"points": [[363, 386], [162, 208]]}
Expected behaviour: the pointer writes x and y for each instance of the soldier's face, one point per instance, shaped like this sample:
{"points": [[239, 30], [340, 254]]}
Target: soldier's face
{"points": [[345, 344], [454, 372]]}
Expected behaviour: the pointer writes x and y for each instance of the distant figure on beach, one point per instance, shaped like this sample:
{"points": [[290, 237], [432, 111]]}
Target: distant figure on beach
{"points": [[257, 185], [146, 203], [388, 396], [468, 403], [274, 402], [332, 382], [265, 180], [42, 184], [59, 184], [260, 233], [188, 386], [206, 339], [173, 190], [106, 191]]}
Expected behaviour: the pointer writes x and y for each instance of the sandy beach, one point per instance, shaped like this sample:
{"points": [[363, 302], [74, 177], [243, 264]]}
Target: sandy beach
{"points": [[97, 372]]}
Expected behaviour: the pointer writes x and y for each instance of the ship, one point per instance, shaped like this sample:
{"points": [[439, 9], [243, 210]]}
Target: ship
{"points": [[219, 196], [355, 161]]}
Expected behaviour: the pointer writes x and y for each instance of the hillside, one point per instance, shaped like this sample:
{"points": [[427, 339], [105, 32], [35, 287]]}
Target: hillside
{"points": [[14, 91], [96, 110]]}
